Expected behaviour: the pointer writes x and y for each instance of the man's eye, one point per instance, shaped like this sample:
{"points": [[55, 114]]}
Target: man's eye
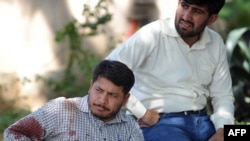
{"points": [[184, 6], [98, 90], [198, 11], [113, 95]]}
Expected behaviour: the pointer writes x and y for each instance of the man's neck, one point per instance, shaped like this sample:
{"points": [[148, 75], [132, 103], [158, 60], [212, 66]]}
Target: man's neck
{"points": [[190, 40]]}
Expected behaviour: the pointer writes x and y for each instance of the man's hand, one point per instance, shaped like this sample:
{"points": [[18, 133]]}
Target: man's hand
{"points": [[218, 136], [150, 118]]}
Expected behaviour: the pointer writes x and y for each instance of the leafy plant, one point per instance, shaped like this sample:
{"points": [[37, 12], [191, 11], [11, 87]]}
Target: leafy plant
{"points": [[80, 62], [238, 47], [78, 71], [235, 13]]}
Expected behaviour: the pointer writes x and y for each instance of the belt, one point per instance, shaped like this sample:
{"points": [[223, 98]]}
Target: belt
{"points": [[192, 112]]}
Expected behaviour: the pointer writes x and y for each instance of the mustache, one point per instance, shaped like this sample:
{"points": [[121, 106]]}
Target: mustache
{"points": [[102, 106], [182, 20]]}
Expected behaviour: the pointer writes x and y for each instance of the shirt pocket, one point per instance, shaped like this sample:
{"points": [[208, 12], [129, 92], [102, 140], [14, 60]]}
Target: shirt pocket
{"points": [[205, 74]]}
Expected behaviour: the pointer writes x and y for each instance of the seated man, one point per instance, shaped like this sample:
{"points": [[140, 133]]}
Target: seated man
{"points": [[93, 117], [178, 63]]}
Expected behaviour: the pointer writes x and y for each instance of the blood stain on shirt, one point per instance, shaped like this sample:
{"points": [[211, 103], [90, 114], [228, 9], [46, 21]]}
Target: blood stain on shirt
{"points": [[28, 127], [72, 133]]}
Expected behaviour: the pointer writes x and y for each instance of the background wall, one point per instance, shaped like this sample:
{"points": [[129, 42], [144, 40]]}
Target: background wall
{"points": [[28, 48]]}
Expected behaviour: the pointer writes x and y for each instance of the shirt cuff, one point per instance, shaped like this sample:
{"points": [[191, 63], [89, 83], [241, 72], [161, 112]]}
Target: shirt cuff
{"points": [[136, 107], [220, 121]]}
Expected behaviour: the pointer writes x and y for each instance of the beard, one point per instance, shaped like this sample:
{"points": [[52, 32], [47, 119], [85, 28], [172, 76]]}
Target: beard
{"points": [[105, 117], [185, 33]]}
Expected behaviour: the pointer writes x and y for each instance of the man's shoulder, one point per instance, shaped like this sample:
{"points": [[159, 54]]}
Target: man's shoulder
{"points": [[213, 33], [127, 118], [65, 102], [64, 99]]}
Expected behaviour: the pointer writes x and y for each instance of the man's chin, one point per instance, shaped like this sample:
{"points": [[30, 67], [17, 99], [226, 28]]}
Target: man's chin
{"points": [[99, 114], [102, 117]]}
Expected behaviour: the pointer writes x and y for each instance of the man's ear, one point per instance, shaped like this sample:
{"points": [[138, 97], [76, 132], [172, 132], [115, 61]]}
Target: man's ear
{"points": [[212, 19], [90, 85], [125, 100]]}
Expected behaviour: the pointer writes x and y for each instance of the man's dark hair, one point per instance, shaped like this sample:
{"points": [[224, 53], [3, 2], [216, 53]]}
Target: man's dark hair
{"points": [[214, 6], [116, 72]]}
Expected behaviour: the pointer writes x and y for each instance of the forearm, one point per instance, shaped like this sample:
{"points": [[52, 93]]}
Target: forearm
{"points": [[10, 135], [27, 128], [135, 107], [223, 112]]}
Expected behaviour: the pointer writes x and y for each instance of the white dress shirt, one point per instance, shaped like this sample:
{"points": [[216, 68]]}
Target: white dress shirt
{"points": [[172, 77]]}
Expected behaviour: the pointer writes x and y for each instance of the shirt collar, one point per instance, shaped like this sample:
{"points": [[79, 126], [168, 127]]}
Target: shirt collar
{"points": [[169, 27]]}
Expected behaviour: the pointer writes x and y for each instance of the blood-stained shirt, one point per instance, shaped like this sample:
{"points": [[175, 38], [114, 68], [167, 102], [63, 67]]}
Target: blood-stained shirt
{"points": [[71, 120]]}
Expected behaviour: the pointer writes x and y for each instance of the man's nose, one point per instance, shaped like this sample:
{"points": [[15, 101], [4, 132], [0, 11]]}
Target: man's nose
{"points": [[103, 98], [187, 14]]}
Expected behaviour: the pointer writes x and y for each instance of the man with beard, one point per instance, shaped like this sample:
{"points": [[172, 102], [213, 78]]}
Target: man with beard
{"points": [[94, 117], [178, 63]]}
